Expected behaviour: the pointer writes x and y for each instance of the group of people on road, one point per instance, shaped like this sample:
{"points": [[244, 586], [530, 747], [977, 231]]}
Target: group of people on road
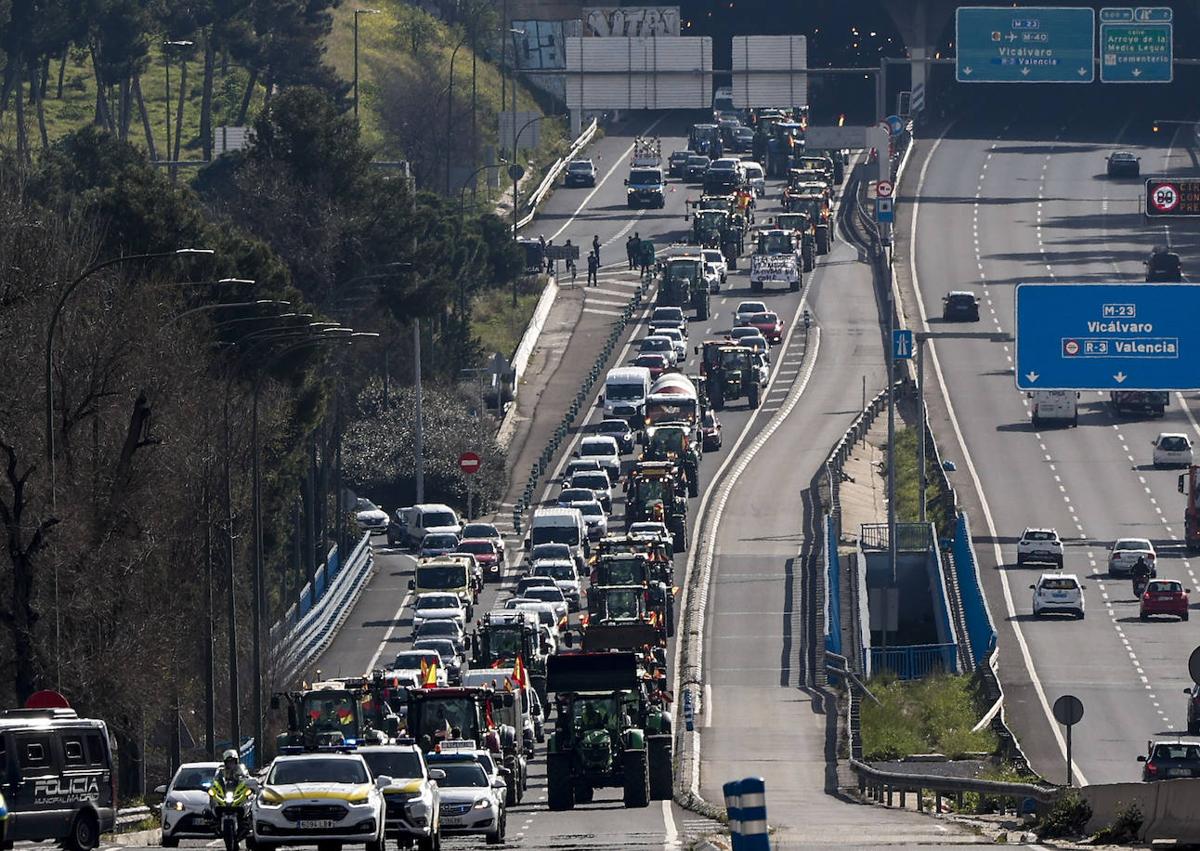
{"points": [[640, 253]]}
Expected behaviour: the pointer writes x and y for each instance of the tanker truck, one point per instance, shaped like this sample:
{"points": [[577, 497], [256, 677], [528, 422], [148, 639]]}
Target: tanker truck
{"points": [[673, 399]]}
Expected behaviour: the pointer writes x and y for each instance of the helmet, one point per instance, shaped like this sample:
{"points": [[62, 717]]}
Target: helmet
{"points": [[228, 755]]}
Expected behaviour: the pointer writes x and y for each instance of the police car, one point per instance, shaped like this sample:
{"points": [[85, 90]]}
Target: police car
{"points": [[412, 800], [318, 798]]}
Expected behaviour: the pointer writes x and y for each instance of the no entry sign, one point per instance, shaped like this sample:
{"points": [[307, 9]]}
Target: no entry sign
{"points": [[468, 462]]}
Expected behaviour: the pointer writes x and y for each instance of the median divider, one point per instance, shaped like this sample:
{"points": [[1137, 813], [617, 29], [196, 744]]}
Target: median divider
{"points": [[305, 641]]}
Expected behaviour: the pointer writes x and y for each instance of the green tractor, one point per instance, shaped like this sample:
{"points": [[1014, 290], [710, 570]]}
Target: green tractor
{"points": [[652, 494], [682, 284], [730, 373], [503, 636], [636, 570], [337, 713], [609, 733], [707, 227], [674, 442]]}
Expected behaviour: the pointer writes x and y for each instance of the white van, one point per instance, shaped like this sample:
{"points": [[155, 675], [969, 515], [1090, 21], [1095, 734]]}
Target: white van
{"points": [[560, 526], [756, 177], [625, 391], [1055, 406], [410, 525]]}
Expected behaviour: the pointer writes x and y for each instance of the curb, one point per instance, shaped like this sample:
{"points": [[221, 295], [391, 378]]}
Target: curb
{"points": [[135, 837]]}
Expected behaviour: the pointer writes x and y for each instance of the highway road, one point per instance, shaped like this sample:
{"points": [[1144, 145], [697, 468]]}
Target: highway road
{"points": [[380, 625], [1001, 202]]}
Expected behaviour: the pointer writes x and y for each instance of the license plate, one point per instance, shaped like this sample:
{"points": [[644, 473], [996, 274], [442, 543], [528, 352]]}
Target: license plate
{"points": [[1060, 595], [1179, 772], [316, 824], [453, 821]]}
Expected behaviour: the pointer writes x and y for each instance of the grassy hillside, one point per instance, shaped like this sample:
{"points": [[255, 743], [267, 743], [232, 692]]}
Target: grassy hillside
{"points": [[385, 42]]}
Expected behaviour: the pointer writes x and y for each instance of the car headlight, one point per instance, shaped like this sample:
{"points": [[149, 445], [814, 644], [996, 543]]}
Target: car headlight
{"points": [[270, 798], [176, 805], [359, 801], [483, 804]]}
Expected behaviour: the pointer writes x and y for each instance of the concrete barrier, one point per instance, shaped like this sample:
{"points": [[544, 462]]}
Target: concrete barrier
{"points": [[1169, 808]]}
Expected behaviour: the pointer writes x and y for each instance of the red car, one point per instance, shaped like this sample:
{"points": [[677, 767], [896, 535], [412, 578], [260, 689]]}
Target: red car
{"points": [[1165, 597], [657, 364], [711, 430], [768, 324], [488, 556]]}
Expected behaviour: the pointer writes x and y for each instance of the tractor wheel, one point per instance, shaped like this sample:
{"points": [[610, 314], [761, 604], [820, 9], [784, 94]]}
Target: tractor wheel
{"points": [[678, 529], [822, 241], [693, 484], [662, 784], [810, 261], [753, 395], [702, 309], [560, 794], [718, 396], [584, 794], [755, 286], [794, 286], [637, 779]]}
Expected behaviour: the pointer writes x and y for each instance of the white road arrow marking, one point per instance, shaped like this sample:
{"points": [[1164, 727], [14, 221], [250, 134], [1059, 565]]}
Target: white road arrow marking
{"points": [[1032, 376], [1120, 377]]}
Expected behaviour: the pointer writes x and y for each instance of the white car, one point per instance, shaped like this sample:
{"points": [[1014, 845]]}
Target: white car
{"points": [[436, 605], [563, 572], [595, 518], [746, 309], [757, 342], [486, 531], [551, 596], [412, 664], [597, 482], [712, 278], [668, 317], [1125, 552], [716, 259], [1040, 546], [1058, 592], [370, 517], [185, 813], [319, 799], [605, 450], [756, 177], [742, 332], [762, 369], [471, 802], [413, 799], [545, 613], [677, 340], [1172, 449], [657, 344]]}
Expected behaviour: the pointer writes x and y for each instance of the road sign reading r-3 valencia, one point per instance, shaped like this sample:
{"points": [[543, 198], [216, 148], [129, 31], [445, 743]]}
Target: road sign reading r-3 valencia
{"points": [[1107, 337]]}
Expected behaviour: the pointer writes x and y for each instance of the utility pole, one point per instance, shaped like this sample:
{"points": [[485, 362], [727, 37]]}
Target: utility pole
{"points": [[891, 468], [921, 415], [418, 449]]}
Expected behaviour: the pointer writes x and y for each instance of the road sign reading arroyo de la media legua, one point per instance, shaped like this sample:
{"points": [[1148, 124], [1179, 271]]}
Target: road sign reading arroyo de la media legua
{"points": [[1107, 337]]}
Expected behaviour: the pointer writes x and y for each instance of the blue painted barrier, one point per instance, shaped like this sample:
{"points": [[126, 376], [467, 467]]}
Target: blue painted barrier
{"points": [[980, 626], [833, 589], [746, 803], [914, 661]]}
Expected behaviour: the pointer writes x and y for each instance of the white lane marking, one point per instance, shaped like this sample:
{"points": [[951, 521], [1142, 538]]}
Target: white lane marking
{"points": [[708, 701], [387, 636], [670, 833], [962, 441], [600, 312], [620, 162]]}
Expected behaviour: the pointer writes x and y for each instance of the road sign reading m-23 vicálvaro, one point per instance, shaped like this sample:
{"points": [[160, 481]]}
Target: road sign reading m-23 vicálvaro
{"points": [[1025, 44], [1107, 336]]}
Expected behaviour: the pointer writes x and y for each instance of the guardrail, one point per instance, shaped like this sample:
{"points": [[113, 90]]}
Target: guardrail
{"points": [[555, 170], [542, 465], [128, 817], [313, 633], [915, 661], [977, 617]]}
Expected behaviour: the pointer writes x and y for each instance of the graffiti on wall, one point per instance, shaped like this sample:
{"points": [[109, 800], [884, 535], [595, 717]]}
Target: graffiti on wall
{"points": [[631, 21], [542, 45]]}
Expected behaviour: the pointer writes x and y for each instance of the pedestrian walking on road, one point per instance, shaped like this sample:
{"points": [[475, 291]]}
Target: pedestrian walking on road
{"points": [[596, 247], [646, 258], [546, 257], [631, 249], [593, 268], [570, 261]]}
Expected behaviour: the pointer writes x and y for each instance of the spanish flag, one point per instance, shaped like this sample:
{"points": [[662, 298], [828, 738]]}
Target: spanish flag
{"points": [[430, 675], [518, 672]]}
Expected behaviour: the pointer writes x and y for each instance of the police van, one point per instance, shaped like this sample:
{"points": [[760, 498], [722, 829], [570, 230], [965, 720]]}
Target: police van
{"points": [[56, 774]]}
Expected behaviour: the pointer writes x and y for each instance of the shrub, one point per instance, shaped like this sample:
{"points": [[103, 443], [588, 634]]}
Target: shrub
{"points": [[1125, 827], [1068, 817]]}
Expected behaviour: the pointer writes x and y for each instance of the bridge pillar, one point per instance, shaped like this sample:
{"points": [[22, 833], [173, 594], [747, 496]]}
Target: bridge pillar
{"points": [[920, 23]]}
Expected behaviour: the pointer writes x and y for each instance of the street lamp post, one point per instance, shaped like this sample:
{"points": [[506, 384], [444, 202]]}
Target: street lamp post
{"points": [[516, 138], [470, 181], [450, 108], [167, 65], [358, 12]]}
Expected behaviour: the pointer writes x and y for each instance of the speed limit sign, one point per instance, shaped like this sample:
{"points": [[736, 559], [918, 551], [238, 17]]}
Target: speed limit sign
{"points": [[1174, 198], [1164, 198]]}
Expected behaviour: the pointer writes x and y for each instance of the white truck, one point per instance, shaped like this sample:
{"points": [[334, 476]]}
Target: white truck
{"points": [[775, 258], [1054, 406]]}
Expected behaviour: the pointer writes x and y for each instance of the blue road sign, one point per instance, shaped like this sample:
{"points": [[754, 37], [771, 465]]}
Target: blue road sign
{"points": [[902, 344], [895, 123], [1137, 48], [884, 211], [1107, 337], [998, 44]]}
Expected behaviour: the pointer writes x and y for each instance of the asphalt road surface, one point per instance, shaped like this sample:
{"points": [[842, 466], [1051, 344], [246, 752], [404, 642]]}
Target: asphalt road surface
{"points": [[1003, 202]]}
